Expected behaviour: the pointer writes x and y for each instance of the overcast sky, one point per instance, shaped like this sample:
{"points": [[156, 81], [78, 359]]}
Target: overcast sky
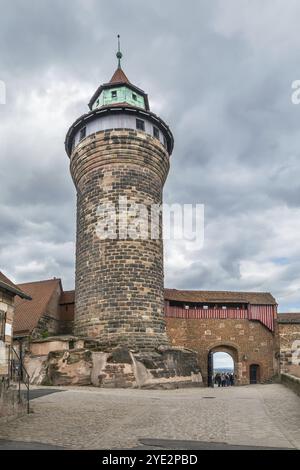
{"points": [[218, 72]]}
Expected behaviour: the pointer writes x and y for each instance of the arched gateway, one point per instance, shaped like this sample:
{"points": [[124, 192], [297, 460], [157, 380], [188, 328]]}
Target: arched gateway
{"points": [[243, 324], [227, 348]]}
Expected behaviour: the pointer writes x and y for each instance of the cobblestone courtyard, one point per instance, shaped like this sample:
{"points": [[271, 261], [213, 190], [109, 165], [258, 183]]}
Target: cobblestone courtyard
{"points": [[89, 418]]}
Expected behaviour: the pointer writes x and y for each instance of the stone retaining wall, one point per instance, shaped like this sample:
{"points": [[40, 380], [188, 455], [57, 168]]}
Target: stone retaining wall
{"points": [[291, 382], [10, 405]]}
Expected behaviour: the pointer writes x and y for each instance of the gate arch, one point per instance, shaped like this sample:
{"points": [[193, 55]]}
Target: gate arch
{"points": [[229, 348]]}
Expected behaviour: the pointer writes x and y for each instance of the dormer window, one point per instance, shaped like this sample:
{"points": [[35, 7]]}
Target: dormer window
{"points": [[82, 133], [134, 97], [155, 132], [140, 124], [114, 94]]}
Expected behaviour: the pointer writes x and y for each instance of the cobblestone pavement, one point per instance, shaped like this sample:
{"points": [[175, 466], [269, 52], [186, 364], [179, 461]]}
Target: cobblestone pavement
{"points": [[89, 418]]}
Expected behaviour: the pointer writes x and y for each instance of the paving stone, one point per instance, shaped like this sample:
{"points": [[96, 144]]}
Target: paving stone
{"points": [[89, 418]]}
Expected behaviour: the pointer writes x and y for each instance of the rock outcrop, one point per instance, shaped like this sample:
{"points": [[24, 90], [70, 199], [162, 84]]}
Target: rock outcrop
{"points": [[120, 368]]}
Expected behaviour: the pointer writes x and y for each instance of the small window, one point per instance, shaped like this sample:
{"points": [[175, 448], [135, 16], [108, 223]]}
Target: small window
{"points": [[134, 97], [165, 142], [114, 94], [155, 132], [224, 307], [82, 133], [205, 307], [2, 325], [140, 125]]}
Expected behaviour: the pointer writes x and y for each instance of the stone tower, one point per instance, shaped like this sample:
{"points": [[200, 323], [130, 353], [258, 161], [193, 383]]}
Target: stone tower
{"points": [[119, 149]]}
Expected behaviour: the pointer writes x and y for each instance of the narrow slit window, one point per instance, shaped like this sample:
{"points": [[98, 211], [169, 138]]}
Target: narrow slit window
{"points": [[2, 325], [155, 132], [82, 133], [140, 124]]}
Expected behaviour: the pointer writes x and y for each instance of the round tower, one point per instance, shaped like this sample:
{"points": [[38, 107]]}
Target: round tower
{"points": [[119, 159]]}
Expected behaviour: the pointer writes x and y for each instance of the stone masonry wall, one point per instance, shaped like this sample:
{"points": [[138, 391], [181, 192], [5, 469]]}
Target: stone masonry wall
{"points": [[248, 342], [289, 345], [119, 282]]}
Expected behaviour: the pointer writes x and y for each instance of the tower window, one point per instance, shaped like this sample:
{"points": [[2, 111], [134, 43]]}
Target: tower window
{"points": [[82, 133], [114, 94], [155, 132], [134, 97], [165, 142], [140, 124]]}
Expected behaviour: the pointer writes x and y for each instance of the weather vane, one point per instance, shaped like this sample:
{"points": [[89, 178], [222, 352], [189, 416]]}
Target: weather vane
{"points": [[119, 53]]}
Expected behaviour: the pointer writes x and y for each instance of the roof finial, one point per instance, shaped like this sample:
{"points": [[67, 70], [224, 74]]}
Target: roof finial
{"points": [[119, 53]]}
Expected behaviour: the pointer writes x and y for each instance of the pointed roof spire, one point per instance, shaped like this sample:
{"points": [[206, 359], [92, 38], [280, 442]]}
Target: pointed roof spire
{"points": [[119, 76], [119, 53], [138, 98]]}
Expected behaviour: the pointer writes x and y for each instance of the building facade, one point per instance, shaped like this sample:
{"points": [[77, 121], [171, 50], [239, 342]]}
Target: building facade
{"points": [[242, 324], [289, 332], [245, 325], [10, 404]]}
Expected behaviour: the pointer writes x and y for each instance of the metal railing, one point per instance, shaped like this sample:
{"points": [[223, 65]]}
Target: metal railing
{"points": [[18, 375]]}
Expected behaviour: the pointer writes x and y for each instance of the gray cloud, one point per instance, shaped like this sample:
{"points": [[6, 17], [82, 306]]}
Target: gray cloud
{"points": [[219, 73]]}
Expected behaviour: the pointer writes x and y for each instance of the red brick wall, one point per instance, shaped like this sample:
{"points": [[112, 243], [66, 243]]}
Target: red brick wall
{"points": [[249, 342], [67, 312], [50, 320]]}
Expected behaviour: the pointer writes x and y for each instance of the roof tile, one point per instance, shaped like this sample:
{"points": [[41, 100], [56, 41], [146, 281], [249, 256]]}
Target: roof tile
{"points": [[28, 313], [289, 317], [258, 298], [119, 77]]}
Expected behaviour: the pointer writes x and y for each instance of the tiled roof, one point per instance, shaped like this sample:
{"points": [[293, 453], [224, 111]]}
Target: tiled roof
{"points": [[67, 297], [27, 314], [288, 317], [8, 285], [258, 298], [119, 77]]}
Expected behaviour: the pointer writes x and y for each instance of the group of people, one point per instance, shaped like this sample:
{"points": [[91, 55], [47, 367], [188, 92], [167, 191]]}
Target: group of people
{"points": [[224, 379]]}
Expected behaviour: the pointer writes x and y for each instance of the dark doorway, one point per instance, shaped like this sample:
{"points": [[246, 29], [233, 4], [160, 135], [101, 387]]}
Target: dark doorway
{"points": [[254, 374]]}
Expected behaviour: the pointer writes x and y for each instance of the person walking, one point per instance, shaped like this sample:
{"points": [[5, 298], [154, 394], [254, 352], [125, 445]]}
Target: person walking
{"points": [[218, 379], [223, 380]]}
